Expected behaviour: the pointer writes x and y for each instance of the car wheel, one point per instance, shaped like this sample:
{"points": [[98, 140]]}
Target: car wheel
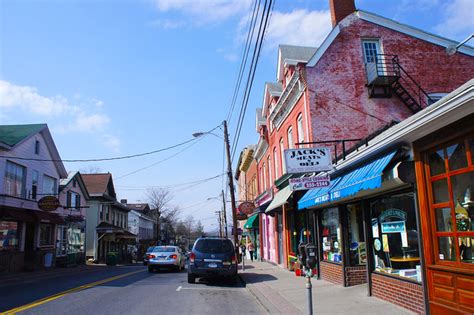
{"points": [[191, 278], [150, 269]]}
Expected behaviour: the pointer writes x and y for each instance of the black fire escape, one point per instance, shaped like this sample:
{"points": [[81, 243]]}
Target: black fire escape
{"points": [[386, 76]]}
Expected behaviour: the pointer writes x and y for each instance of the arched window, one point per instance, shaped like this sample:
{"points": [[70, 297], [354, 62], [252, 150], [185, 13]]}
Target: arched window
{"points": [[299, 125], [270, 175], [275, 163], [264, 176], [282, 155], [290, 138]]}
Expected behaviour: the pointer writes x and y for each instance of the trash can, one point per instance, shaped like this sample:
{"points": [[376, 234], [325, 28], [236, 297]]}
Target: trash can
{"points": [[111, 259]]}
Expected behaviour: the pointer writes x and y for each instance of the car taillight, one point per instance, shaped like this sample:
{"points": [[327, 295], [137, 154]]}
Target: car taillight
{"points": [[192, 256], [151, 256], [233, 259], [174, 256]]}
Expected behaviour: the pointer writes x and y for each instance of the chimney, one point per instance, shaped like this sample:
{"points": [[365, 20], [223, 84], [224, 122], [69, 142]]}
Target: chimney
{"points": [[123, 201], [340, 9]]}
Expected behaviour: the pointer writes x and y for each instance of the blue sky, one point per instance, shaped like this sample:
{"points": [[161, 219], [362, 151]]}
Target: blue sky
{"points": [[115, 78]]}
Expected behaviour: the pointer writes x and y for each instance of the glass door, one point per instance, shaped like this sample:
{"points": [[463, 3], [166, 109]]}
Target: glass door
{"points": [[280, 237]]}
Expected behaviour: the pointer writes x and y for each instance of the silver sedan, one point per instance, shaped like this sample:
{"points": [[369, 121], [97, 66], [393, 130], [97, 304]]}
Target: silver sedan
{"points": [[166, 257]]}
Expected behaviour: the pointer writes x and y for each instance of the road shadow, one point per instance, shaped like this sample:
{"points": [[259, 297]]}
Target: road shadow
{"points": [[220, 282], [249, 277]]}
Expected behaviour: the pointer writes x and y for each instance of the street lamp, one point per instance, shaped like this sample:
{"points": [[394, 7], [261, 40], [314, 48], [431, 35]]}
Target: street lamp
{"points": [[231, 182], [452, 49]]}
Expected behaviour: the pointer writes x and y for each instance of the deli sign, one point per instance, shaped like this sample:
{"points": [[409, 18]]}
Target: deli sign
{"points": [[308, 160]]}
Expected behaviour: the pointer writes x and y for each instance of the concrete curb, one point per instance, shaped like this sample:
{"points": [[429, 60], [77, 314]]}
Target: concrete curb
{"points": [[261, 299]]}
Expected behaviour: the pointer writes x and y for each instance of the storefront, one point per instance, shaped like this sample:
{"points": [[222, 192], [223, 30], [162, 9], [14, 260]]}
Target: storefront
{"points": [[252, 226], [70, 241], [365, 225], [445, 177]]}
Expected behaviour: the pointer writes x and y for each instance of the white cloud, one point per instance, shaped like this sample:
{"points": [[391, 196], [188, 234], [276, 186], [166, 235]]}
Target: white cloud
{"points": [[111, 142], [84, 116], [457, 21], [168, 24], [299, 27], [206, 11]]}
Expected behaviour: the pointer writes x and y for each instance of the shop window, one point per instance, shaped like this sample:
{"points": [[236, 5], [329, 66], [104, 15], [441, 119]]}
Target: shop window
{"points": [[8, 235], [453, 224], [296, 222], [357, 250], [75, 240], [46, 235], [436, 162], [61, 244], [395, 236], [331, 235], [15, 180]]}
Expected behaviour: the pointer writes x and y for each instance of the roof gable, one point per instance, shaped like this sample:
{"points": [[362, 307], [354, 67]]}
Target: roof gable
{"points": [[64, 183], [99, 185], [11, 135], [390, 24], [289, 54]]}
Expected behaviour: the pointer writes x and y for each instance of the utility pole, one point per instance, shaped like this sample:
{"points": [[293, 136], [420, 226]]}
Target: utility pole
{"points": [[224, 215], [231, 187], [219, 213]]}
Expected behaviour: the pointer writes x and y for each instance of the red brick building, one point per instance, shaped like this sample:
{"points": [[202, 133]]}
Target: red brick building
{"points": [[370, 73]]}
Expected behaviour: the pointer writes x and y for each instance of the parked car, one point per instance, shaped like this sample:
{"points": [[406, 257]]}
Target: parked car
{"points": [[166, 257], [145, 257], [212, 257]]}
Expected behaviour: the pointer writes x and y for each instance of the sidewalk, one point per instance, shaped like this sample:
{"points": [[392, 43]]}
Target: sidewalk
{"points": [[281, 292]]}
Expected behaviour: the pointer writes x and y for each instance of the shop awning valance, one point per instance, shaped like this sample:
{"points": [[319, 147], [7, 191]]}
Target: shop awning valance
{"points": [[252, 222], [280, 199], [368, 176]]}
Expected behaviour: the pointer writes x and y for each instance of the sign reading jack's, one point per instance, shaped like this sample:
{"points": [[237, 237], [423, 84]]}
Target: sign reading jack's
{"points": [[308, 160]]}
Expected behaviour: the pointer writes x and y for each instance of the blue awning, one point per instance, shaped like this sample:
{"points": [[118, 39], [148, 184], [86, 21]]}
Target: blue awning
{"points": [[365, 177]]}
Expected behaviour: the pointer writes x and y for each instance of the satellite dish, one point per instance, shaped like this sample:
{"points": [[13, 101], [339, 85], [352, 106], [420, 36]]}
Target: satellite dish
{"points": [[451, 49]]}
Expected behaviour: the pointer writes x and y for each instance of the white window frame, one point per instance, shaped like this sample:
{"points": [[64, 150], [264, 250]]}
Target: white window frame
{"points": [[282, 155], [300, 128], [275, 163], [15, 180], [290, 138], [54, 188]]}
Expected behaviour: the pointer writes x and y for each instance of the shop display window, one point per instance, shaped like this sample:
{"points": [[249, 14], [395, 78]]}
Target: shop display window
{"points": [[357, 250], [296, 222], [46, 234], [331, 235], [8, 235], [395, 236], [452, 202]]}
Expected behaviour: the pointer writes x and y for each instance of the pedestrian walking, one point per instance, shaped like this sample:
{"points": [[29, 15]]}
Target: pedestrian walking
{"points": [[251, 249]]}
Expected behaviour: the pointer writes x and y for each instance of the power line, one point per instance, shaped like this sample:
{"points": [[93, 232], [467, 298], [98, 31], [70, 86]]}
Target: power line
{"points": [[196, 182], [111, 158], [251, 75]]}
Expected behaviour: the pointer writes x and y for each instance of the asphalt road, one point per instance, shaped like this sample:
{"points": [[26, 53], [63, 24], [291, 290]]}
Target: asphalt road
{"points": [[127, 290]]}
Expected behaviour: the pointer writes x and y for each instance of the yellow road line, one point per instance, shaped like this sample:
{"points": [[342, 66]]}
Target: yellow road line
{"points": [[63, 293]]}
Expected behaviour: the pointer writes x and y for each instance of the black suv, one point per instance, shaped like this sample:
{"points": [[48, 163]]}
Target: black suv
{"points": [[212, 256]]}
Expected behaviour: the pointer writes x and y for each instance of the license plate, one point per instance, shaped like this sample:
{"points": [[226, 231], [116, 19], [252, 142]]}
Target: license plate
{"points": [[212, 265]]}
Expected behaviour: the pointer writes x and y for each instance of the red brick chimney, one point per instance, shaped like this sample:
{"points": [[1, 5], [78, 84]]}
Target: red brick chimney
{"points": [[340, 9]]}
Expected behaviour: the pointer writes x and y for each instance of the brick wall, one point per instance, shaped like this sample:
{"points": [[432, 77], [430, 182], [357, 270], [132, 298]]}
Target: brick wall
{"points": [[332, 273], [356, 275], [405, 294]]}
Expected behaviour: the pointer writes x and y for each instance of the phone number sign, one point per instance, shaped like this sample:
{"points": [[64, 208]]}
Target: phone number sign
{"points": [[305, 183]]}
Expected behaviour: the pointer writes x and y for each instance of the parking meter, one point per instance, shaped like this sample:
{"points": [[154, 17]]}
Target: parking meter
{"points": [[311, 256], [302, 253]]}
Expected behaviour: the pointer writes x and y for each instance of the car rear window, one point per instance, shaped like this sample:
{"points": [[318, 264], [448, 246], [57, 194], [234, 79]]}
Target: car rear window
{"points": [[150, 248], [164, 249], [213, 246]]}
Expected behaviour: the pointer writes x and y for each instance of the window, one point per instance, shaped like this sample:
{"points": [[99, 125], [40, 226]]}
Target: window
{"points": [[395, 237], [299, 126], [265, 176], [331, 235], [107, 211], [371, 50], [434, 97], [113, 217], [61, 244], [275, 163], [282, 154], [357, 250], [74, 201], [37, 147], [34, 184], [9, 235], [290, 138], [451, 179], [15, 180], [49, 186], [46, 234], [270, 175], [101, 212]]}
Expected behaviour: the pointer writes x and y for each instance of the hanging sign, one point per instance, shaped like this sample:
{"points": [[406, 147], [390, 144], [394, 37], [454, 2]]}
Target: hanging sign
{"points": [[308, 160], [246, 207], [309, 182], [48, 203]]}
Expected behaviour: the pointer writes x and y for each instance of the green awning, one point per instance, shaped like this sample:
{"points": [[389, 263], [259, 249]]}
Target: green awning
{"points": [[252, 222]]}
